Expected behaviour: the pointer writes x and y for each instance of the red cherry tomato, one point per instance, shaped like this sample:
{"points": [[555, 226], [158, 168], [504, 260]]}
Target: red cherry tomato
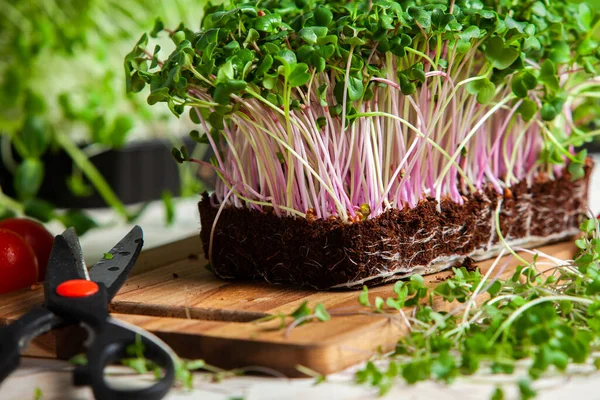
{"points": [[18, 264], [36, 236]]}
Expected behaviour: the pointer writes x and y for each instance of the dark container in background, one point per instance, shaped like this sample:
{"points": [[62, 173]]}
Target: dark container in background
{"points": [[138, 172]]}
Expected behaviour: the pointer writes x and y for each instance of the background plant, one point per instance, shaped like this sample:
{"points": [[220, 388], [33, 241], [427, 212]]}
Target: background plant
{"points": [[320, 108], [62, 86]]}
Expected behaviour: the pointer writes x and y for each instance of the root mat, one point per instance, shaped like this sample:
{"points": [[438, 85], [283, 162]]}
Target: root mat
{"points": [[171, 293]]}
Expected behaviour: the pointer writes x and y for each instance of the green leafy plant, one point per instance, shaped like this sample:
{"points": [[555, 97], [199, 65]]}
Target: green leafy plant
{"points": [[546, 312], [61, 90], [325, 109], [299, 316], [137, 361]]}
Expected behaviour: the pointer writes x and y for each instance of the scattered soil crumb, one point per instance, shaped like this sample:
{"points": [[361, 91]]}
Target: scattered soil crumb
{"points": [[192, 257], [440, 279], [469, 265], [175, 276]]}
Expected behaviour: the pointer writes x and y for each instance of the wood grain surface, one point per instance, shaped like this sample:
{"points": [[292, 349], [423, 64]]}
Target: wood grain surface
{"points": [[172, 294]]}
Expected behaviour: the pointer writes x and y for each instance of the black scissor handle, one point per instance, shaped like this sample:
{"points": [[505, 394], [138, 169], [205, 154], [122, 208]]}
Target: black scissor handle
{"points": [[17, 336], [109, 346]]}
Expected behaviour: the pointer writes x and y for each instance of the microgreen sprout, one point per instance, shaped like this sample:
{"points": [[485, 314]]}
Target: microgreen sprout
{"points": [[546, 315], [299, 316], [347, 109]]}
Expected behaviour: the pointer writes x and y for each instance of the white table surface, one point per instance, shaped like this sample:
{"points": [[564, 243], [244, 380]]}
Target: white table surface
{"points": [[54, 377]]}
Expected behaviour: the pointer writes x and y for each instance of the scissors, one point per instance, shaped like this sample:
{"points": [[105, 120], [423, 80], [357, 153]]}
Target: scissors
{"points": [[75, 296]]}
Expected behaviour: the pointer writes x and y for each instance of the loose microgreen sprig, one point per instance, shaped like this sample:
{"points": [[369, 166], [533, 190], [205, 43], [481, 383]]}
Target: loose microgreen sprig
{"points": [[299, 316], [184, 369], [318, 108], [548, 312]]}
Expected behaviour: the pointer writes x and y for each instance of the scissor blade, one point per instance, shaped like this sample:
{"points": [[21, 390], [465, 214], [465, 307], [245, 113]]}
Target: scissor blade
{"points": [[113, 270], [66, 261]]}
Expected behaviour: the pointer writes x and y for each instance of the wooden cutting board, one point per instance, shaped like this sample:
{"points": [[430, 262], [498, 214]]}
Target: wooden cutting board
{"points": [[171, 294]]}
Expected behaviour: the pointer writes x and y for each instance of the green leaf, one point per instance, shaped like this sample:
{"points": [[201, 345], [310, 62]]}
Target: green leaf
{"points": [[552, 108], [560, 53], [251, 37], [232, 48], [526, 390], [177, 155], [122, 125], [216, 121], [224, 89], [577, 168], [178, 37], [78, 220], [195, 365], [225, 73], [421, 16], [330, 40], [302, 311], [581, 243], [548, 75], [248, 9], [78, 186], [472, 32], [312, 33], [416, 370], [78, 359], [484, 89], [39, 209], [321, 313], [288, 59], [394, 304], [299, 76], [34, 103], [498, 394], [587, 226], [355, 88], [34, 136], [416, 73], [586, 17], [267, 23], [196, 137], [440, 20], [539, 9], [444, 366], [159, 95], [406, 86], [136, 364], [167, 199], [523, 83], [528, 109], [13, 83], [379, 303], [264, 65], [587, 47], [499, 55], [28, 178], [159, 26], [363, 298], [323, 16]]}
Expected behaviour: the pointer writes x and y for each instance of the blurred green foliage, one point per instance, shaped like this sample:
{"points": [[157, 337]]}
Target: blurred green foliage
{"points": [[62, 85]]}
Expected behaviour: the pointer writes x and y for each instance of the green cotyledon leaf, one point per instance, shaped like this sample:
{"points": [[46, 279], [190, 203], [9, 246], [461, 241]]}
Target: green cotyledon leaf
{"points": [[500, 55], [484, 89]]}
